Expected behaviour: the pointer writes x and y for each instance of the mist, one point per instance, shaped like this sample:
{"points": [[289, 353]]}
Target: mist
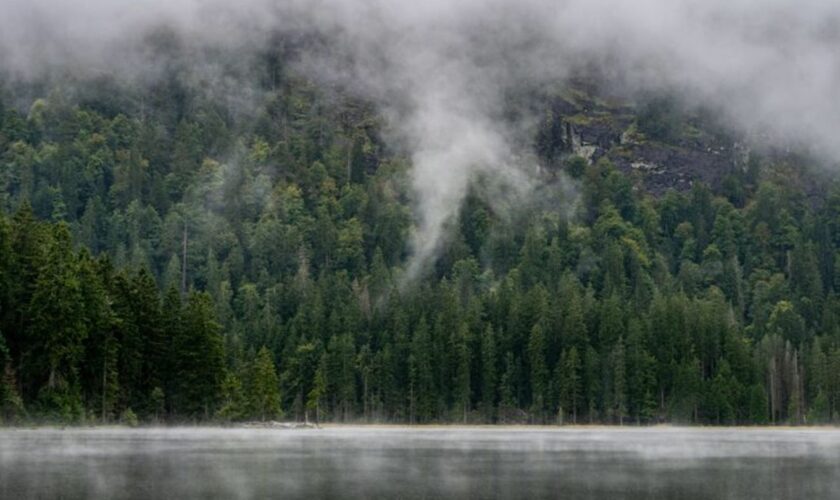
{"points": [[440, 73], [354, 462]]}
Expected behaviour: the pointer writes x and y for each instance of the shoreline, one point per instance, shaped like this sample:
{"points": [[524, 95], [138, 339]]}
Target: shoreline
{"points": [[296, 426]]}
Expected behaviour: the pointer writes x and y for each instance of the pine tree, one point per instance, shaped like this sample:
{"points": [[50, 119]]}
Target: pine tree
{"points": [[147, 314], [570, 382], [316, 396], [11, 405], [539, 370], [345, 376], [508, 389], [28, 243], [611, 322], [234, 405], [421, 378], [99, 372], [172, 326], [757, 404], [58, 326], [641, 379], [7, 298], [199, 359], [574, 324], [591, 368], [130, 341], [264, 387], [723, 394], [462, 373], [618, 405], [364, 364], [488, 373]]}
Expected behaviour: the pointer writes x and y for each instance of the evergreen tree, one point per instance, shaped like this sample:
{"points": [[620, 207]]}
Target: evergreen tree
{"points": [[172, 326], [99, 372], [316, 396], [421, 378], [618, 404], [539, 370], [570, 383], [11, 406], [641, 379], [234, 406], [488, 374], [199, 359], [264, 387], [462, 373], [58, 327]]}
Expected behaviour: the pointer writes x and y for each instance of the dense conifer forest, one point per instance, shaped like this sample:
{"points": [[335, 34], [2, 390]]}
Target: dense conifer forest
{"points": [[166, 256]]}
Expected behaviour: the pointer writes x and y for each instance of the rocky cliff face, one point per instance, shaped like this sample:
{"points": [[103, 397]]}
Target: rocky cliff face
{"points": [[660, 147]]}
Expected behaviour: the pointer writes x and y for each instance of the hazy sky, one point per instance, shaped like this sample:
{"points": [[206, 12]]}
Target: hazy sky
{"points": [[438, 69]]}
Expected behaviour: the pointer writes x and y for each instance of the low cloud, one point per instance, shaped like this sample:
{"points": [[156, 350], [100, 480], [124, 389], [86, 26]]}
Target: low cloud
{"points": [[440, 71]]}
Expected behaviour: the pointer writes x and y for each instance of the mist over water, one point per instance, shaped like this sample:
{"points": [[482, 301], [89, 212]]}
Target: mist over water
{"points": [[399, 462]]}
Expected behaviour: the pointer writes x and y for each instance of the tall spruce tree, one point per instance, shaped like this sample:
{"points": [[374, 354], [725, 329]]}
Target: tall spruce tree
{"points": [[199, 368], [264, 387]]}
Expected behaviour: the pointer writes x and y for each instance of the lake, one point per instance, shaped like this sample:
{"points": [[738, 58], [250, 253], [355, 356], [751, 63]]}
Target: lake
{"points": [[420, 462]]}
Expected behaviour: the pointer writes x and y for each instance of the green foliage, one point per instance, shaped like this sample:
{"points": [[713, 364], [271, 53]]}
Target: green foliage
{"points": [[57, 317], [539, 370], [575, 166], [263, 391], [60, 403], [129, 418], [489, 374], [421, 378], [157, 402], [659, 119], [186, 262], [11, 405], [315, 398], [569, 371], [199, 359], [234, 406]]}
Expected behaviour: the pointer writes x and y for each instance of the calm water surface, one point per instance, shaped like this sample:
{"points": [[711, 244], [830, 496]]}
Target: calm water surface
{"points": [[395, 462]]}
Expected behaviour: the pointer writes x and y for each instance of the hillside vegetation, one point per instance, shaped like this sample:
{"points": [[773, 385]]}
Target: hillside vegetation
{"points": [[167, 255]]}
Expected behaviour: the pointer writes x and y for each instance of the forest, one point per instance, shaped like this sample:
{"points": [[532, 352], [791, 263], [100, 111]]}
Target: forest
{"points": [[167, 259]]}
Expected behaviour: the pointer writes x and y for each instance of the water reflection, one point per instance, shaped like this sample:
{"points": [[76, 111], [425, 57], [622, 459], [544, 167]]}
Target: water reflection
{"points": [[394, 462]]}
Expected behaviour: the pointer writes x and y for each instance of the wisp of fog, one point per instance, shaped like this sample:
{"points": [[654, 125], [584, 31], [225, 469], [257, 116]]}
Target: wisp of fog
{"points": [[440, 71], [387, 462]]}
